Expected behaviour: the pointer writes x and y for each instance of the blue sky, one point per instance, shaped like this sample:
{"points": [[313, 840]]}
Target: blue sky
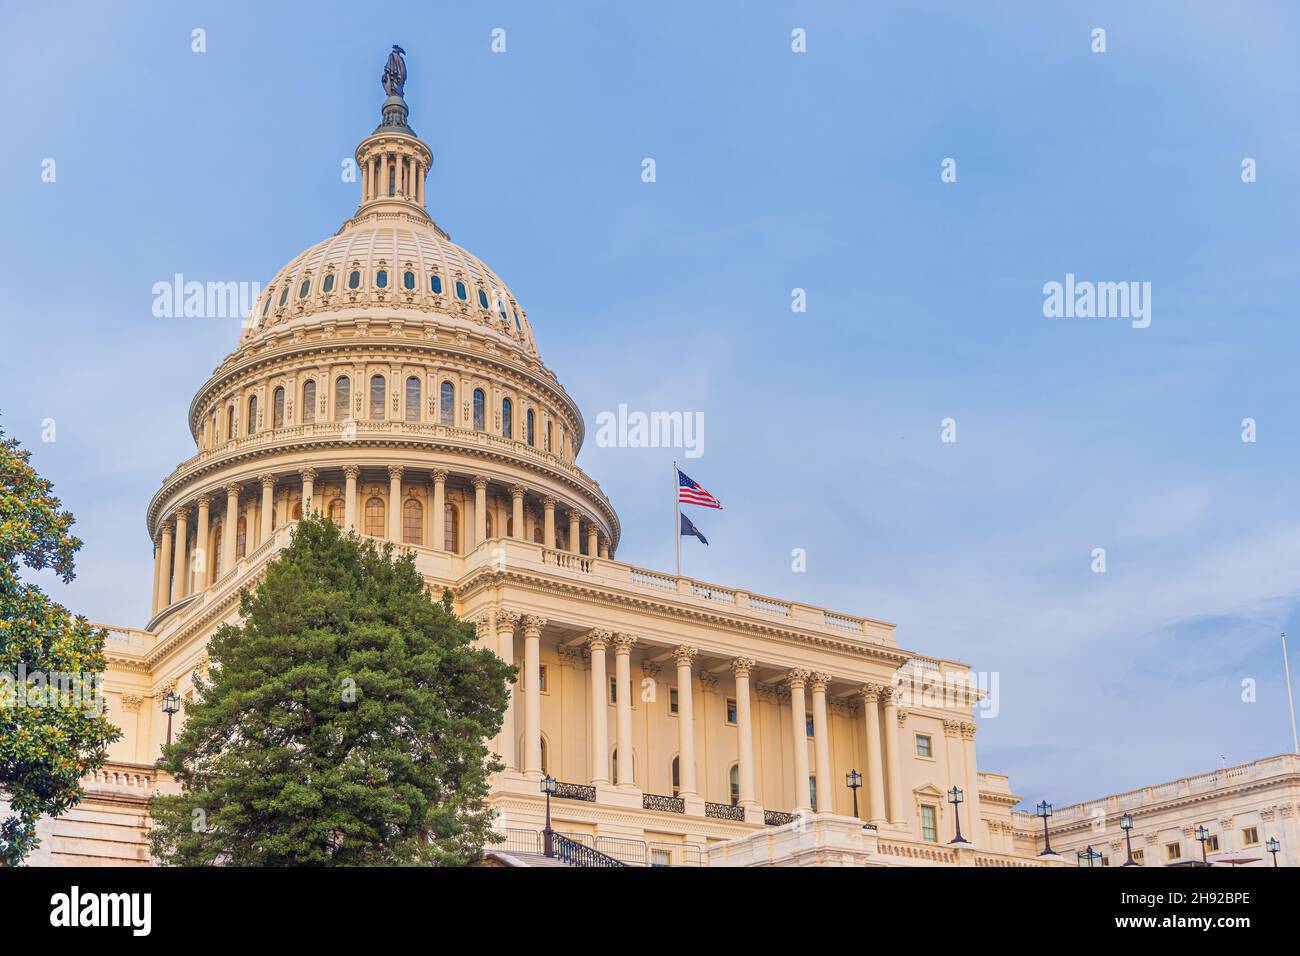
{"points": [[774, 171]]}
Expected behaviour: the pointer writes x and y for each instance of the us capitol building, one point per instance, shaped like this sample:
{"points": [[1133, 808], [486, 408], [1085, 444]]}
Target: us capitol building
{"points": [[390, 379]]}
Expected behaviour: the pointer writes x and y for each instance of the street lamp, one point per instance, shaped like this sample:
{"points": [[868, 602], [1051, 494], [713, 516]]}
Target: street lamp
{"points": [[1126, 824], [1273, 846], [548, 788], [955, 798], [1090, 855], [853, 780], [170, 705], [1045, 810], [1203, 836]]}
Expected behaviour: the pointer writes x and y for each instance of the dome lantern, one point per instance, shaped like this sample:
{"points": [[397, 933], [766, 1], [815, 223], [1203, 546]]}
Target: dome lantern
{"points": [[394, 162]]}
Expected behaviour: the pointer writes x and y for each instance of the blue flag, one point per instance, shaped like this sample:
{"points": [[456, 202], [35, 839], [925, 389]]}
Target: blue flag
{"points": [[690, 529]]}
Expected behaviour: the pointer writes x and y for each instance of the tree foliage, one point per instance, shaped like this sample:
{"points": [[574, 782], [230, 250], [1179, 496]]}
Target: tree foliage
{"points": [[343, 721], [52, 726]]}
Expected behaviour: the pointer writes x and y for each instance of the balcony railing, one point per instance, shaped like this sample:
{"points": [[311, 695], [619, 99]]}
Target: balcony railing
{"points": [[577, 854], [656, 801], [725, 811], [575, 791], [778, 818]]}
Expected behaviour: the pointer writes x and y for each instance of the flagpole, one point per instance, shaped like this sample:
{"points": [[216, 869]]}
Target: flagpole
{"points": [[1286, 667], [677, 518]]}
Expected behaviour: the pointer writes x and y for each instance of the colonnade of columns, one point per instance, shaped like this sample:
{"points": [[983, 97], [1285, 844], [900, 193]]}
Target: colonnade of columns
{"points": [[393, 172], [181, 562], [884, 796]]}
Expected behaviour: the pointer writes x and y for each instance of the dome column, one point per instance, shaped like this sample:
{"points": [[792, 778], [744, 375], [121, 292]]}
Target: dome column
{"points": [[267, 509], [179, 589], [350, 497], [517, 510], [228, 529], [592, 535], [480, 509], [395, 504], [439, 516], [548, 522], [201, 544], [157, 573], [308, 492], [604, 548], [165, 571], [575, 545]]}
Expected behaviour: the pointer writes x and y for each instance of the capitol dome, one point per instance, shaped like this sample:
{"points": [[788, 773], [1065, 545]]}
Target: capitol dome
{"points": [[389, 379]]}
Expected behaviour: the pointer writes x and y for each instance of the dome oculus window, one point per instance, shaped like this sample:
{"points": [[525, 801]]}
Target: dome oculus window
{"points": [[482, 299], [284, 294], [302, 289], [329, 283], [381, 279], [435, 284], [408, 280], [460, 291], [354, 279]]}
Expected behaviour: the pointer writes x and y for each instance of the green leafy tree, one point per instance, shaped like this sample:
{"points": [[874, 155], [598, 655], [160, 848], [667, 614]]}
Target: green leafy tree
{"points": [[52, 726], [343, 721]]}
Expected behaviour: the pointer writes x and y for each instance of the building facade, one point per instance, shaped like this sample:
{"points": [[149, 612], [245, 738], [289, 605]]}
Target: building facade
{"points": [[391, 380], [1241, 809]]}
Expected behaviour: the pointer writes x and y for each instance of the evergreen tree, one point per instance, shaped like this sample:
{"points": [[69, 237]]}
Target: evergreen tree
{"points": [[343, 721], [52, 726]]}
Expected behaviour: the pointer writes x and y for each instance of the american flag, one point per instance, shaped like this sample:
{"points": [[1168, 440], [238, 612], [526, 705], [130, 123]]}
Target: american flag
{"points": [[690, 493]]}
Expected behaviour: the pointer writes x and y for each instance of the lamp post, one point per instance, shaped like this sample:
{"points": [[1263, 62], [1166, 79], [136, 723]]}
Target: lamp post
{"points": [[1126, 824], [1203, 837], [1044, 810], [548, 788], [1090, 855], [853, 780], [170, 705], [955, 798], [1273, 846]]}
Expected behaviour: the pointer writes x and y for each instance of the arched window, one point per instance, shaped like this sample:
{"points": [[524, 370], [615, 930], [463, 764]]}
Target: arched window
{"points": [[547, 434], [412, 522], [451, 528], [735, 784], [375, 517], [252, 415], [381, 279], [302, 289], [480, 410], [354, 279], [435, 284], [217, 535], [376, 397], [329, 283], [308, 412], [408, 280], [338, 509], [296, 514], [241, 537], [537, 533], [677, 776], [564, 440], [342, 397], [531, 421], [278, 409], [284, 294], [230, 422], [275, 517], [482, 299], [412, 399], [507, 418], [460, 291], [447, 403], [487, 522]]}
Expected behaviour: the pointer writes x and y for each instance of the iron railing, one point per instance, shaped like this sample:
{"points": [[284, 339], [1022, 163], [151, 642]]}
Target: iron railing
{"points": [[577, 854], [725, 811], [657, 801], [777, 818], [575, 791]]}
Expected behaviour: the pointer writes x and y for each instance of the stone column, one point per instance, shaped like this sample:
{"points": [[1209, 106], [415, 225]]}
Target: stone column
{"points": [[871, 694], [533, 694], [480, 509], [395, 504], [623, 677], [228, 529], [165, 571], [157, 574], [268, 507], [597, 640], [604, 548], [506, 621], [685, 723], [799, 744], [817, 681], [517, 511], [741, 667], [893, 769], [201, 544], [350, 472], [181, 588], [308, 490], [548, 525], [972, 786], [574, 519], [439, 479], [592, 536]]}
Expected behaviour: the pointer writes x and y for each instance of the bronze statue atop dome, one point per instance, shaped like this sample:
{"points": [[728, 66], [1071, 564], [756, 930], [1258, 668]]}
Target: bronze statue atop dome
{"points": [[394, 78]]}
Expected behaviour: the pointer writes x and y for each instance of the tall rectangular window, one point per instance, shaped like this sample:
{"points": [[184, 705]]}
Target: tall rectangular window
{"points": [[447, 404], [929, 824], [731, 710], [924, 745]]}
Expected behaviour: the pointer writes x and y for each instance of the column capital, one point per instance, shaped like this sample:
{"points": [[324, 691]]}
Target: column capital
{"points": [[183, 513], [796, 677], [534, 623], [649, 669], [308, 474], [233, 490], [967, 730], [549, 503], [684, 655], [708, 680], [204, 500], [598, 638], [574, 515], [395, 471], [351, 471], [437, 475], [568, 656], [818, 680], [267, 481], [951, 728], [623, 643], [872, 693], [480, 482], [507, 619], [517, 491], [742, 666]]}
